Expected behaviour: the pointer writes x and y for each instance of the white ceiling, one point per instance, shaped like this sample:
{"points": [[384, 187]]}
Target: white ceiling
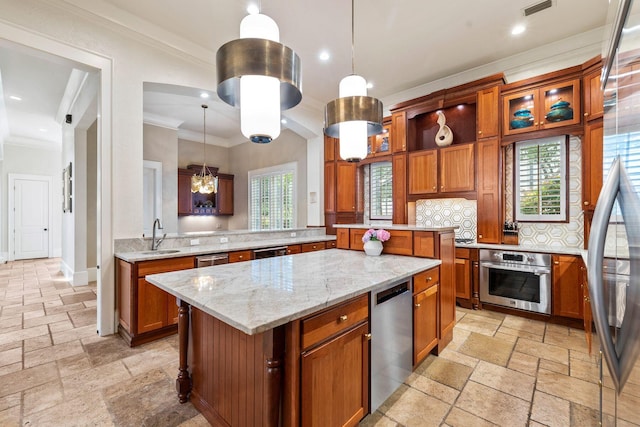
{"points": [[399, 45]]}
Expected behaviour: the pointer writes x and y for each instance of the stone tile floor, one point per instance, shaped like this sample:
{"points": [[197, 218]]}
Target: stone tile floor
{"points": [[499, 370]]}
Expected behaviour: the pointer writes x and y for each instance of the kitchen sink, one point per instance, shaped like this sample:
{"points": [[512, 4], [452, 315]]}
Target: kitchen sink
{"points": [[162, 252]]}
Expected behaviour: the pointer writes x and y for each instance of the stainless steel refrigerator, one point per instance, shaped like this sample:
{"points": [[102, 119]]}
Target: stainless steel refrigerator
{"points": [[613, 260]]}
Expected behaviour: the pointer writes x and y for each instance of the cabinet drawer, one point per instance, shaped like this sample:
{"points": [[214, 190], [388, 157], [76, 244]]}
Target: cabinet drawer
{"points": [[464, 253], [331, 244], [164, 265], [294, 249], [400, 243], [310, 247], [425, 280], [239, 256], [323, 325]]}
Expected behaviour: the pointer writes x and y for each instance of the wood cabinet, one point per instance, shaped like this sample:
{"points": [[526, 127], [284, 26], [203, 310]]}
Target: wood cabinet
{"points": [[219, 203], [331, 244], [467, 275], [380, 145], [487, 113], [312, 247], [463, 277], [593, 96], [586, 308], [399, 132], [537, 108], [592, 164], [346, 187], [330, 149], [399, 188], [342, 238], [146, 312], [330, 187], [240, 256], [335, 365], [423, 172], [294, 249], [568, 291], [489, 192], [425, 314], [457, 166], [447, 288], [224, 197]]}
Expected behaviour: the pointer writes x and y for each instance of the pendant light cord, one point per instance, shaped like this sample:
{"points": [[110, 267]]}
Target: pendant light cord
{"points": [[353, 50], [204, 137]]}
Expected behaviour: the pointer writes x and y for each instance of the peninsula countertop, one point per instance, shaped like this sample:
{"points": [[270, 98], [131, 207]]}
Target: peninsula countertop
{"points": [[259, 295], [407, 227]]}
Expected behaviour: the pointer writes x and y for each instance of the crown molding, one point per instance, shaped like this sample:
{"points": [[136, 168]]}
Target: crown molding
{"points": [[161, 121]]}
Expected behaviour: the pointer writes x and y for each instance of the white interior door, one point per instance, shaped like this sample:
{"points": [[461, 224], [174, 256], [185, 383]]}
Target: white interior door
{"points": [[31, 223]]}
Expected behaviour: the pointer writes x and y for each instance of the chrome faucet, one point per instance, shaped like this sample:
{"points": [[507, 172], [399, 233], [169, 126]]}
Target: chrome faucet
{"points": [[155, 243]]}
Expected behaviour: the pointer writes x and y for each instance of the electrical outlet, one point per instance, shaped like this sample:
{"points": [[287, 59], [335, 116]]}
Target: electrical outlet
{"points": [[224, 240], [195, 242], [293, 234]]}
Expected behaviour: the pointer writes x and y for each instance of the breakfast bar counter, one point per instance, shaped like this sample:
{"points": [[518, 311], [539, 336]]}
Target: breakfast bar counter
{"points": [[242, 366]]}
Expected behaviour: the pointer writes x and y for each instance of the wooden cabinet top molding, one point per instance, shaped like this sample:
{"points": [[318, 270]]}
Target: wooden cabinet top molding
{"points": [[543, 79]]}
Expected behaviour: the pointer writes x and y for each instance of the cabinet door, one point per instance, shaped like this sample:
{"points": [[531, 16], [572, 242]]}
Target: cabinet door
{"points": [[425, 323], [239, 256], [294, 249], [489, 220], [586, 308], [172, 310], [457, 168], [312, 247], [399, 132], [447, 290], [487, 113], [423, 172], [551, 95], [224, 197], [330, 187], [330, 148], [185, 205], [424, 244], [593, 97], [567, 286], [592, 164], [335, 380], [399, 188], [346, 187], [463, 278], [342, 237], [519, 113], [152, 307]]}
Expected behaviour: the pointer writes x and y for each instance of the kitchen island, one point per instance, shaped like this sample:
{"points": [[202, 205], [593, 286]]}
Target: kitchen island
{"points": [[244, 331]]}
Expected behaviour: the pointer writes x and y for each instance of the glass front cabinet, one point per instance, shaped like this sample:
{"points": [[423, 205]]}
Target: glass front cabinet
{"points": [[542, 108]]}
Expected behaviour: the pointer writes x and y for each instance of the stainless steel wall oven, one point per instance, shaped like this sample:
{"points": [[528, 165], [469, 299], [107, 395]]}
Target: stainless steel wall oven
{"points": [[516, 279]]}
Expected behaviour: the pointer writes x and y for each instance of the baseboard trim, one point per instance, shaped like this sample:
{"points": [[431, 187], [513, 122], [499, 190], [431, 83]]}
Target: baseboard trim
{"points": [[75, 278], [92, 274]]}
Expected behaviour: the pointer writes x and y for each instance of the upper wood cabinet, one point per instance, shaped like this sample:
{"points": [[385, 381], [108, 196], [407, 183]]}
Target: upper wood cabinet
{"points": [[593, 97], [487, 113], [346, 174], [330, 187], [539, 108], [489, 192], [330, 149], [185, 205], [220, 203], [224, 197], [423, 172], [380, 145], [592, 164], [399, 188], [399, 132], [457, 165]]}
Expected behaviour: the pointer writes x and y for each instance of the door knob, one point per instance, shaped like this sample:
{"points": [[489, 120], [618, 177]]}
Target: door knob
{"points": [[46, 229]]}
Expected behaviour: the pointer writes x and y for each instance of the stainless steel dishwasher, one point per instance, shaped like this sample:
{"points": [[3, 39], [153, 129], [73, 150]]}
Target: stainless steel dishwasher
{"points": [[391, 340], [213, 259]]}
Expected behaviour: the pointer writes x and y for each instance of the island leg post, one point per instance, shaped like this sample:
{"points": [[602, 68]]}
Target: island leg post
{"points": [[183, 382]]}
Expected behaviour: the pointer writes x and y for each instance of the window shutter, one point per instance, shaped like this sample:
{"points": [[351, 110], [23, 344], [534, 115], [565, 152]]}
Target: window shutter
{"points": [[272, 200], [381, 190]]}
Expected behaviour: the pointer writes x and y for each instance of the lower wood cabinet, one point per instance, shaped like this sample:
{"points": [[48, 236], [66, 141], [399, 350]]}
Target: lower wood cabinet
{"points": [[239, 256], [335, 365], [425, 314], [467, 271], [586, 308], [146, 312], [568, 286]]}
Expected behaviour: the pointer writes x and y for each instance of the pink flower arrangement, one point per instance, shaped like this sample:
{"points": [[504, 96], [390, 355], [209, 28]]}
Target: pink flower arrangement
{"points": [[371, 234]]}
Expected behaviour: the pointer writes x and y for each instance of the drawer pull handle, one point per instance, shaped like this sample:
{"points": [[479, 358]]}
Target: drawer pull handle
{"points": [[556, 262], [429, 279], [418, 304], [367, 337], [586, 299], [343, 318]]}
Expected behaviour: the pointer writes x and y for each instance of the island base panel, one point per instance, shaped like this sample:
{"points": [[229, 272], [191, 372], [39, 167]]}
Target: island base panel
{"points": [[237, 378]]}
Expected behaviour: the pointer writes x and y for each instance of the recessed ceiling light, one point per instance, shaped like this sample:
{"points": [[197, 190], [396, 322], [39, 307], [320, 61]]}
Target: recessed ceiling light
{"points": [[42, 130], [324, 56], [204, 95], [253, 9], [15, 98], [518, 29]]}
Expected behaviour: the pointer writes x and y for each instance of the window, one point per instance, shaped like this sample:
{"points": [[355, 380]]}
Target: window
{"points": [[381, 191], [541, 179], [627, 146], [272, 200]]}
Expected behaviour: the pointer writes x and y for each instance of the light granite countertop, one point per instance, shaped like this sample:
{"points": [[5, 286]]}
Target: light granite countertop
{"points": [[255, 296], [163, 253], [562, 250]]}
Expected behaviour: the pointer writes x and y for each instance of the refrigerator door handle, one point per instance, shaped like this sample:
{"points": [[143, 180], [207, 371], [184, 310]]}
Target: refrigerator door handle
{"points": [[622, 353]]}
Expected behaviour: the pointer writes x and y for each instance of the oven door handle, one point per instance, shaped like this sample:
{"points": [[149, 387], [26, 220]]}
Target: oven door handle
{"points": [[538, 271]]}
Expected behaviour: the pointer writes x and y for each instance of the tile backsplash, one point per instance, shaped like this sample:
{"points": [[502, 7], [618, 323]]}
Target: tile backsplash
{"points": [[449, 213]]}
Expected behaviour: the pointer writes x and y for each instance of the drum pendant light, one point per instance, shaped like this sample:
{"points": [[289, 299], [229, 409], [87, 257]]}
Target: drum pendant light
{"points": [[204, 182], [260, 75], [354, 116]]}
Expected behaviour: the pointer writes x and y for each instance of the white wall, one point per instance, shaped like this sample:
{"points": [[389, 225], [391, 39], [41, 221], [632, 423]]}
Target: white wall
{"points": [[34, 161]]}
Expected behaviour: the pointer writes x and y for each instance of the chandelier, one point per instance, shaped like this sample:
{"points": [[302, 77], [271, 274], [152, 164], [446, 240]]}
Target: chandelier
{"points": [[204, 182], [354, 116]]}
